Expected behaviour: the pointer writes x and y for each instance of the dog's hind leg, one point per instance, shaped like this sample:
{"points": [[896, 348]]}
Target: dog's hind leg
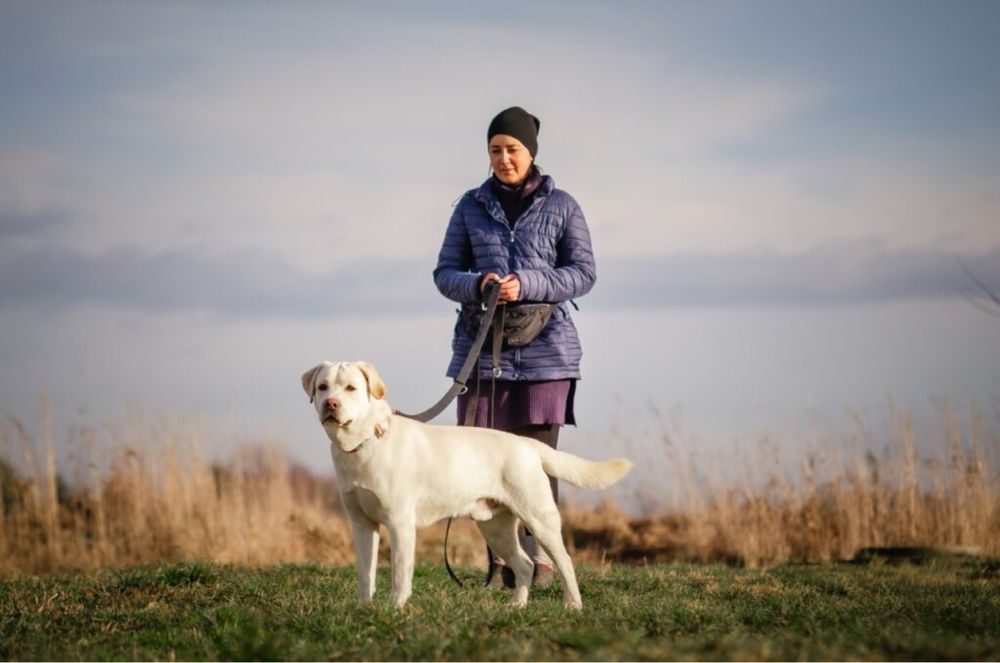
{"points": [[546, 526], [500, 533]]}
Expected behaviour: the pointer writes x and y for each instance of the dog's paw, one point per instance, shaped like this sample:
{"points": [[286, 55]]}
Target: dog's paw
{"points": [[519, 598]]}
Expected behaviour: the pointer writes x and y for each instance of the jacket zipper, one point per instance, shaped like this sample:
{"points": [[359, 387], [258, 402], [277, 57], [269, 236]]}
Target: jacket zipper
{"points": [[506, 224], [511, 229]]}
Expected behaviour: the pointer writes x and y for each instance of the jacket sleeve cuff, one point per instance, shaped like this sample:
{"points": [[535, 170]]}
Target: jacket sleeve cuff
{"points": [[532, 284], [470, 287]]}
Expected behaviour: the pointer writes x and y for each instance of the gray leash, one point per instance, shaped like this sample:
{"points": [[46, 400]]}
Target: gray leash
{"points": [[491, 295]]}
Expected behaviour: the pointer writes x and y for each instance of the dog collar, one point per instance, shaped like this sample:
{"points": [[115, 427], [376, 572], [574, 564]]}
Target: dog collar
{"points": [[381, 428]]}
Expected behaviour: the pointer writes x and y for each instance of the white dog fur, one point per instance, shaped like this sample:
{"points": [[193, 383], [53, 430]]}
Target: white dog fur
{"points": [[404, 474]]}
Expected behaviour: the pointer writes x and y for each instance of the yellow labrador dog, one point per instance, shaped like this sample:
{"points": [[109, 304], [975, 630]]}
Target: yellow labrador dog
{"points": [[404, 474]]}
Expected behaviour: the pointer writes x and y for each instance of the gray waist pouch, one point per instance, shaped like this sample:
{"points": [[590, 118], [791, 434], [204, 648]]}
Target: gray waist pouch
{"points": [[521, 324]]}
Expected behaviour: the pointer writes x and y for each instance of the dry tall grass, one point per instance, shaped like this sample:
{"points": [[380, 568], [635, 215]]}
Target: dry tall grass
{"points": [[847, 493], [146, 492], [158, 498]]}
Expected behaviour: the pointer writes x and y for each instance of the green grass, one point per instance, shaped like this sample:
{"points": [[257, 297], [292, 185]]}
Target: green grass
{"points": [[204, 611]]}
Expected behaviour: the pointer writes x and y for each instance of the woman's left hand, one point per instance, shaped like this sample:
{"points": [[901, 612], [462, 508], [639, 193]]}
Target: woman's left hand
{"points": [[510, 288]]}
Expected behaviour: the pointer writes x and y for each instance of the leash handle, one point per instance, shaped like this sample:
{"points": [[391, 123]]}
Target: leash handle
{"points": [[491, 294]]}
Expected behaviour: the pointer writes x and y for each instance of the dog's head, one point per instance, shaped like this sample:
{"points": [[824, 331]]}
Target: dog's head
{"points": [[343, 394]]}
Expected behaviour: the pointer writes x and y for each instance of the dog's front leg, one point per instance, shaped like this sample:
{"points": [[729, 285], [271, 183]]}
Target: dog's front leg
{"points": [[364, 533], [402, 539]]}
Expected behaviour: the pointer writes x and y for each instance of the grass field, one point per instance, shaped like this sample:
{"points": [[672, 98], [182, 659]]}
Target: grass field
{"points": [[204, 611]]}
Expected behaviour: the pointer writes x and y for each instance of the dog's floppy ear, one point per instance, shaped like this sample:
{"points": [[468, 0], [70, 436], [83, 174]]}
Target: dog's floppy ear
{"points": [[309, 380], [375, 385]]}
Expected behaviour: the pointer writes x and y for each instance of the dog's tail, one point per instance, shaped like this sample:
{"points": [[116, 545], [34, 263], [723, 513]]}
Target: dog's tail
{"points": [[581, 472]]}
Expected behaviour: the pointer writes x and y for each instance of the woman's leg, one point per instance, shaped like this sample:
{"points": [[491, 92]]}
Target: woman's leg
{"points": [[547, 434]]}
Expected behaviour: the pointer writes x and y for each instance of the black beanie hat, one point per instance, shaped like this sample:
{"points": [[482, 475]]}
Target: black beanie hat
{"points": [[519, 123]]}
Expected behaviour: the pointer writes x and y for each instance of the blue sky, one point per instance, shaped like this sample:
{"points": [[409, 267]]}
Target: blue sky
{"points": [[198, 201]]}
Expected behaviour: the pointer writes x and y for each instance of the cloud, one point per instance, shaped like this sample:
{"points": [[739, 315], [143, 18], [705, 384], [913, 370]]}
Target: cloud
{"points": [[234, 283], [15, 224], [247, 284], [340, 125], [831, 273]]}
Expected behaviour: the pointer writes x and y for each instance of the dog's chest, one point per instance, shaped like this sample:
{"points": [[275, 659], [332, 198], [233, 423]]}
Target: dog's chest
{"points": [[371, 505], [365, 491]]}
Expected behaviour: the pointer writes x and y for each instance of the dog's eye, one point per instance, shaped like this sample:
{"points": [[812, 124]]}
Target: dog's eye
{"points": [[322, 387], [351, 387]]}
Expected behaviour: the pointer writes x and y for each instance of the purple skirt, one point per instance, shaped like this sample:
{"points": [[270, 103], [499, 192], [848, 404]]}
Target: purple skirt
{"points": [[518, 404]]}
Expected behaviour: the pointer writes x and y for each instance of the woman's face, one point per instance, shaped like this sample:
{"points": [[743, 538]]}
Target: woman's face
{"points": [[509, 158]]}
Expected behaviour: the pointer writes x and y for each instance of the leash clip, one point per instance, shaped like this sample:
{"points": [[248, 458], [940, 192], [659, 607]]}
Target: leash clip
{"points": [[497, 371]]}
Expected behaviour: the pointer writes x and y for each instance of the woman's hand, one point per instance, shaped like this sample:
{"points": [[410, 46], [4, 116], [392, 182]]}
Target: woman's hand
{"points": [[510, 286]]}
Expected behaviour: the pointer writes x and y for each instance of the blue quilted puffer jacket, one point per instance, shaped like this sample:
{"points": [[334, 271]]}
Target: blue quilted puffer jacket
{"points": [[549, 248]]}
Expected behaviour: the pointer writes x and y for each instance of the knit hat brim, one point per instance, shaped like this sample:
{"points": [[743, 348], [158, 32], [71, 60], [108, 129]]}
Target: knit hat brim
{"points": [[519, 123]]}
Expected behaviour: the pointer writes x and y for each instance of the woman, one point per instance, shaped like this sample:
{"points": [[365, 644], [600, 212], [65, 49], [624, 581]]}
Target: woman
{"points": [[519, 230]]}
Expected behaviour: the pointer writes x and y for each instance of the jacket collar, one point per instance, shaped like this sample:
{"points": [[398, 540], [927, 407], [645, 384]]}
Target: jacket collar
{"points": [[485, 195]]}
